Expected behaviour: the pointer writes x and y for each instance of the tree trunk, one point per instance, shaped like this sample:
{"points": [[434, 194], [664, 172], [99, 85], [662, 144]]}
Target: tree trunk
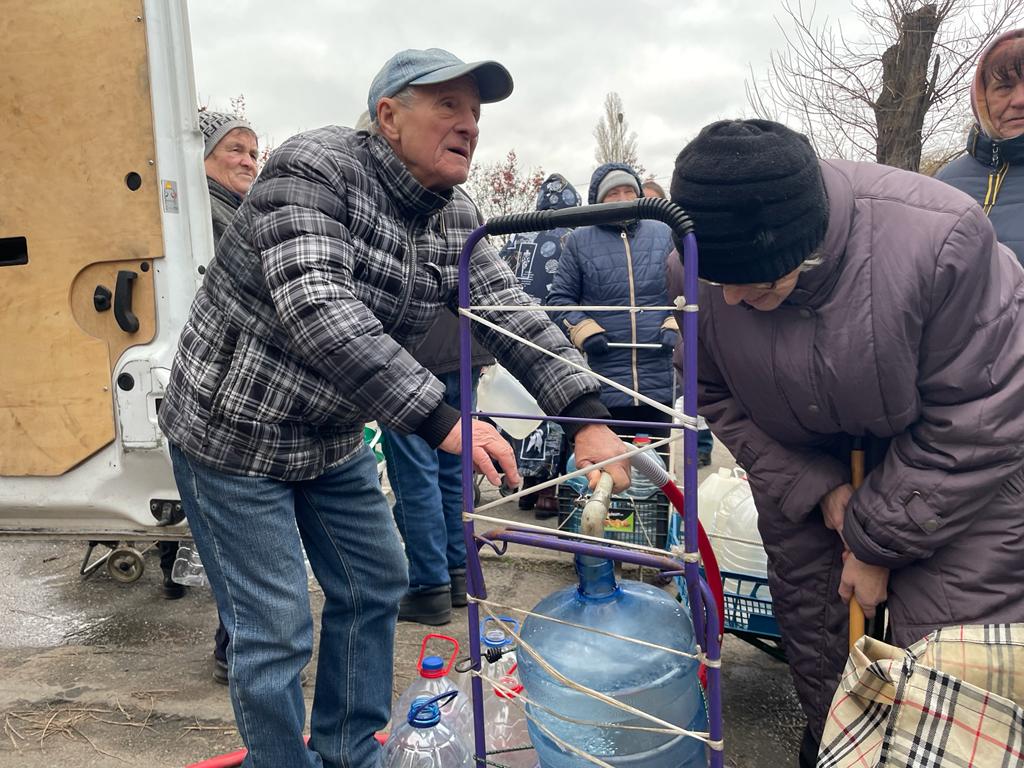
{"points": [[906, 93]]}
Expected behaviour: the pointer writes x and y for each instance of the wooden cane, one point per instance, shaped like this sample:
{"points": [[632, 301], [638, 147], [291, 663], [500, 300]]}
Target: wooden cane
{"points": [[857, 477]]}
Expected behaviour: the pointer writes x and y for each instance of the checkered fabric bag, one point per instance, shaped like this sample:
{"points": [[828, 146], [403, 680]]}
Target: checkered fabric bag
{"points": [[951, 699]]}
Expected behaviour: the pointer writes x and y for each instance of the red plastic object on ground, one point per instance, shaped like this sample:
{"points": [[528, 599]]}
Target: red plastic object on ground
{"points": [[234, 759]]}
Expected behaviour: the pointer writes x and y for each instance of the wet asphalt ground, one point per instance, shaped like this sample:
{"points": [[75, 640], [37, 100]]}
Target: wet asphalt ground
{"points": [[98, 673]]}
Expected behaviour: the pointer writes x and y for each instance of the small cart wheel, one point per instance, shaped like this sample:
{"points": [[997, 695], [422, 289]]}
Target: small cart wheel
{"points": [[125, 565]]}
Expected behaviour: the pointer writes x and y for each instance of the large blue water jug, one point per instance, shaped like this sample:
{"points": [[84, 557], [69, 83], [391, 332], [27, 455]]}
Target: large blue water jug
{"points": [[660, 683]]}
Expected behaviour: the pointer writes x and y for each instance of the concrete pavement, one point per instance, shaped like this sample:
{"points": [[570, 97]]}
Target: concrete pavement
{"points": [[96, 673]]}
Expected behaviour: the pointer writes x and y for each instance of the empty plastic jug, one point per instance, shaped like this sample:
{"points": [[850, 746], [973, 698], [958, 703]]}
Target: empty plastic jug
{"points": [[425, 740], [659, 682], [434, 679], [501, 392], [188, 569], [498, 643], [711, 492], [741, 548], [508, 740]]}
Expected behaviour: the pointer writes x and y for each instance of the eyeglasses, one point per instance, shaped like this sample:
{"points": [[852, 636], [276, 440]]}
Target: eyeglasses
{"points": [[814, 260], [755, 286]]}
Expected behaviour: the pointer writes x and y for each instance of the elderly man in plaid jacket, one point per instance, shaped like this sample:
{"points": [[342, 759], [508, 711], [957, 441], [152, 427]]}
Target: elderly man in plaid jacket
{"points": [[338, 261]]}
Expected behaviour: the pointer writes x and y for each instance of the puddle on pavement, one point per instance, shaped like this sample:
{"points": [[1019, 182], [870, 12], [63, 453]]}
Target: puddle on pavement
{"points": [[50, 604]]}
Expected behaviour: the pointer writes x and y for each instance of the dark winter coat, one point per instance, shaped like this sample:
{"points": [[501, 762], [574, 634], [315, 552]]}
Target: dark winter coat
{"points": [[992, 172], [911, 330], [336, 264], [534, 256], [440, 353], [223, 204], [622, 267]]}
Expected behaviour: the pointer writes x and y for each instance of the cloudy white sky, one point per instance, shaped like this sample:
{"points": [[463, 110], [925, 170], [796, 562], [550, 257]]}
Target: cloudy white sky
{"points": [[677, 64]]}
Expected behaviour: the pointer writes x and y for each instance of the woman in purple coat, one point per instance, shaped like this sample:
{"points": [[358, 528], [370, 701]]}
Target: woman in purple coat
{"points": [[843, 300]]}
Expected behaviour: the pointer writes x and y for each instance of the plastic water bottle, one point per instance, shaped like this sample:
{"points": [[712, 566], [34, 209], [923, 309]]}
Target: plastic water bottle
{"points": [[498, 643], [434, 679], [188, 569], [425, 740], [501, 392], [657, 682], [639, 486], [505, 724], [711, 492], [737, 519], [579, 483]]}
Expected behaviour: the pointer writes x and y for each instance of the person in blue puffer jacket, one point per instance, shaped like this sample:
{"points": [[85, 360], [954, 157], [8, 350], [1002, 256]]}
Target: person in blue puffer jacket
{"points": [[992, 171], [620, 266]]}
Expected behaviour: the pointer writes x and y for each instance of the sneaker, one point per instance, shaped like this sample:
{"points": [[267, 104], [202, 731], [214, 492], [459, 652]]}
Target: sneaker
{"points": [[458, 588], [171, 590], [704, 459], [220, 671], [430, 606]]}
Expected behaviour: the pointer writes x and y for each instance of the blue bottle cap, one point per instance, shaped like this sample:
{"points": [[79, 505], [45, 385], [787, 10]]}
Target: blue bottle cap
{"points": [[432, 664], [423, 716]]}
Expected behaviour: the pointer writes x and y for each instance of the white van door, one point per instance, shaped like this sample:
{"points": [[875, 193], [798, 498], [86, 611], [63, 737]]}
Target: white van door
{"points": [[104, 231]]}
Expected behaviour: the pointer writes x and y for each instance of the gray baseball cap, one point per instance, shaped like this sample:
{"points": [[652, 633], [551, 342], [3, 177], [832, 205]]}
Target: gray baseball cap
{"points": [[435, 65]]}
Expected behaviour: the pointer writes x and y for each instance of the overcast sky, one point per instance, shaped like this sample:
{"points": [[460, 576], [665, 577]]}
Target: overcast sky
{"points": [[677, 64]]}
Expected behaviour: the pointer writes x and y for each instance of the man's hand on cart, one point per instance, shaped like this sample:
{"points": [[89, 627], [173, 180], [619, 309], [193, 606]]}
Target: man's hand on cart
{"points": [[596, 442], [488, 448], [867, 583]]}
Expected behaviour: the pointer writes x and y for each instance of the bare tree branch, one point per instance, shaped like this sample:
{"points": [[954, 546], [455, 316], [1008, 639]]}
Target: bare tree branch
{"points": [[894, 92]]}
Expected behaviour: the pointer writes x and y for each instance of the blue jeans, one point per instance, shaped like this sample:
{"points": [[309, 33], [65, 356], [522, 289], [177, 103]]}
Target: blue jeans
{"points": [[248, 531], [428, 500], [705, 442]]}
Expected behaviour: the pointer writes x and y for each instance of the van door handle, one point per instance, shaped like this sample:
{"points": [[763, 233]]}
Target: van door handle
{"points": [[126, 319]]}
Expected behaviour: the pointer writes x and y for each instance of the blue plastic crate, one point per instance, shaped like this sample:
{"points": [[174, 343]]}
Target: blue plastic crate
{"points": [[748, 605]]}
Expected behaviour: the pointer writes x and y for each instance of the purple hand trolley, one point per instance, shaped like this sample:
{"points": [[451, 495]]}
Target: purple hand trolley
{"points": [[684, 561]]}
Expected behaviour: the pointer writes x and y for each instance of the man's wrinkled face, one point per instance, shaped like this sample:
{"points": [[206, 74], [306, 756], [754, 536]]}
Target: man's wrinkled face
{"points": [[435, 134], [233, 161]]}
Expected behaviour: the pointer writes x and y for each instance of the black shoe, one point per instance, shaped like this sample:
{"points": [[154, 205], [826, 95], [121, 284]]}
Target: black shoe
{"points": [[527, 502], [547, 505], [220, 671], [458, 589], [171, 590], [704, 459], [431, 606]]}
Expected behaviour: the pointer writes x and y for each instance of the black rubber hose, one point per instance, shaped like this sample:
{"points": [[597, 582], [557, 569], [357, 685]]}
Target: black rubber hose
{"points": [[655, 208]]}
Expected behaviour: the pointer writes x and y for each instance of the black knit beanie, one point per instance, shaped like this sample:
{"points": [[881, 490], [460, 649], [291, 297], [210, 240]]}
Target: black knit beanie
{"points": [[754, 191]]}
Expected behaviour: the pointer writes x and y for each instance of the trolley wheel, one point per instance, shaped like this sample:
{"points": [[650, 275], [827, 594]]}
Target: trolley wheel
{"points": [[125, 564]]}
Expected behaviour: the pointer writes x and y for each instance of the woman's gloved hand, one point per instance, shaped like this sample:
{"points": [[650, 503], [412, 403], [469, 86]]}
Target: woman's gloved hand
{"points": [[596, 345], [669, 339]]}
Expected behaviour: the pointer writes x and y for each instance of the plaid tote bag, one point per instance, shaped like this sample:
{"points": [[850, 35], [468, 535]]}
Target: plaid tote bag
{"points": [[951, 699]]}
